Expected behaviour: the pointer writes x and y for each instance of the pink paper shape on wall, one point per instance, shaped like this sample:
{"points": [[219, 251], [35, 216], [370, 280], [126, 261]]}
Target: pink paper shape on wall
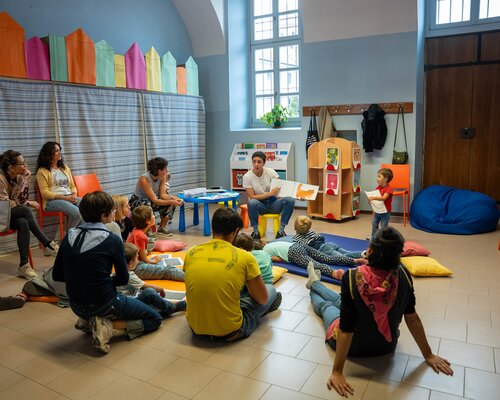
{"points": [[37, 57], [12, 61], [135, 68]]}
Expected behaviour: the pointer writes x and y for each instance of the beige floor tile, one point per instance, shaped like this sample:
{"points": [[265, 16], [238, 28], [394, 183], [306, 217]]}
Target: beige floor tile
{"points": [[185, 377], [287, 283], [289, 301], [497, 360], [304, 306], [466, 314], [418, 373], [454, 330], [21, 351], [8, 335], [451, 298], [317, 351], [282, 342], [84, 381], [394, 391], [22, 317], [128, 388], [47, 328], [283, 319], [311, 325], [8, 378], [495, 318], [143, 363], [316, 384], [390, 366], [407, 345], [237, 358], [192, 348], [443, 396], [279, 393], [171, 396], [283, 371], [467, 355], [429, 309], [488, 302], [485, 335], [227, 386], [481, 385], [28, 390]]}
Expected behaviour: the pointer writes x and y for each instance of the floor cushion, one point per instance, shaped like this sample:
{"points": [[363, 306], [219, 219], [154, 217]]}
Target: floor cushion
{"points": [[444, 209]]}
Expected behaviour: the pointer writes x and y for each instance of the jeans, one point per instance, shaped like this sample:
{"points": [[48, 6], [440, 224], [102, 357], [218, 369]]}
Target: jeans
{"points": [[271, 205], [333, 249], [151, 297], [68, 208], [22, 220], [325, 302], [147, 271], [138, 316], [383, 219]]}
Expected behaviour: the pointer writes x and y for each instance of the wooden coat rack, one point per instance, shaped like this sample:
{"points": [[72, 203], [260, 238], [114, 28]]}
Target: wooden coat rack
{"points": [[352, 109]]}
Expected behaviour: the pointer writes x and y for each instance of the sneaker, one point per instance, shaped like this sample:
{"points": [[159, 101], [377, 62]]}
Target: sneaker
{"points": [[8, 303], [102, 332], [165, 232], [180, 306], [25, 271], [276, 303], [51, 249], [83, 325], [364, 255], [255, 235], [368, 238], [280, 234]]}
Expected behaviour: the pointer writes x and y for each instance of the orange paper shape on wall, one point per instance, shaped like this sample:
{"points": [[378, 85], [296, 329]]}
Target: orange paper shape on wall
{"points": [[12, 61], [181, 79], [80, 54]]}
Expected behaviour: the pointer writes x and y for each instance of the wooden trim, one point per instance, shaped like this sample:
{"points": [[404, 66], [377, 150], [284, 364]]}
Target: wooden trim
{"points": [[352, 109]]}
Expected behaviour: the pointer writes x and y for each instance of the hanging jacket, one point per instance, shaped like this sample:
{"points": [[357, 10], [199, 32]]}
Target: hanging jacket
{"points": [[374, 128]]}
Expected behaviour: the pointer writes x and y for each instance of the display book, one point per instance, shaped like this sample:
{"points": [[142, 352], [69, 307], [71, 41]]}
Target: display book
{"points": [[297, 190], [173, 295], [334, 165]]}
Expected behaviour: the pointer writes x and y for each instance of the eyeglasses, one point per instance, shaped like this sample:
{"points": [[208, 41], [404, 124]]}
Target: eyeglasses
{"points": [[21, 163]]}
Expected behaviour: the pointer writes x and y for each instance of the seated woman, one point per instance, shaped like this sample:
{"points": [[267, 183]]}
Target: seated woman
{"points": [[56, 184], [151, 190], [85, 261], [14, 187], [363, 320]]}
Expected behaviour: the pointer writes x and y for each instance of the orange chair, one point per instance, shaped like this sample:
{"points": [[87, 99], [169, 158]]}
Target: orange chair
{"points": [[11, 232], [401, 185], [87, 183], [42, 213]]}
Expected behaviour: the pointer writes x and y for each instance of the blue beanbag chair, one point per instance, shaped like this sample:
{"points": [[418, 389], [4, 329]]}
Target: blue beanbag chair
{"points": [[444, 209]]}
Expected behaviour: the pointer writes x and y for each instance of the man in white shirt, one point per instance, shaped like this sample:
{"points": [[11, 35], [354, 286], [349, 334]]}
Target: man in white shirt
{"points": [[263, 200]]}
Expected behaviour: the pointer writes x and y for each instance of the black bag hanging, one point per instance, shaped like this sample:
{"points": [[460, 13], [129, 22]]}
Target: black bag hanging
{"points": [[400, 157], [312, 133]]}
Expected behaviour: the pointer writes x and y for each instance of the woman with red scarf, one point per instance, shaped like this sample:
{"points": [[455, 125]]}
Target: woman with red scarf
{"points": [[363, 320]]}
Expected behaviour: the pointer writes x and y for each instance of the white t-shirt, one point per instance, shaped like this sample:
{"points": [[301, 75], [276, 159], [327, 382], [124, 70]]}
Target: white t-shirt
{"points": [[259, 184], [133, 287], [60, 184]]}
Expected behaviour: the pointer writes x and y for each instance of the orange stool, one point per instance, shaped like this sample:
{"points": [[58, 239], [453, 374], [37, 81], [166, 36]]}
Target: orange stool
{"points": [[263, 223], [11, 232], [244, 215]]}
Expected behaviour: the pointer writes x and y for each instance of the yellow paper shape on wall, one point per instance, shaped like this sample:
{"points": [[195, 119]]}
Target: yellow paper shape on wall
{"points": [[153, 70], [120, 78]]}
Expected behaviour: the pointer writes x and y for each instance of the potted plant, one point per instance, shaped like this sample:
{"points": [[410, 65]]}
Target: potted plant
{"points": [[276, 116]]}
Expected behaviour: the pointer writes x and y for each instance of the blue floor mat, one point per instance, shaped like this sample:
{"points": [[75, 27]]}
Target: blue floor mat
{"points": [[344, 242]]}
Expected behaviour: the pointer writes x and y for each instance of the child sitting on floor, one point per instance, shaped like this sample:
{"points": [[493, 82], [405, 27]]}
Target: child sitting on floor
{"points": [[152, 295], [307, 236], [245, 242], [149, 268]]}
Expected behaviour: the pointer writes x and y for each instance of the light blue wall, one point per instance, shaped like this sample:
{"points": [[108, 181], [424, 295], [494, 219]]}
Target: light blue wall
{"points": [[362, 70], [120, 22]]}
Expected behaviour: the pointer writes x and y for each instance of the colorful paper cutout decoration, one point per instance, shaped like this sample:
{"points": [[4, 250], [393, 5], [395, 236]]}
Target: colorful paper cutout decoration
{"points": [[120, 78], [12, 61], [181, 79], [37, 59], [192, 77], [57, 54], [80, 55], [168, 73], [153, 70], [135, 68], [104, 64]]}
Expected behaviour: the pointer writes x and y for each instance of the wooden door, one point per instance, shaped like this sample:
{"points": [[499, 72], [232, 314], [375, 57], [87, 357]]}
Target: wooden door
{"points": [[448, 100]]}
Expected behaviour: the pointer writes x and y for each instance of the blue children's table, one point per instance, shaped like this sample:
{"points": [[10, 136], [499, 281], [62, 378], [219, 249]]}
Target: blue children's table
{"points": [[207, 199]]}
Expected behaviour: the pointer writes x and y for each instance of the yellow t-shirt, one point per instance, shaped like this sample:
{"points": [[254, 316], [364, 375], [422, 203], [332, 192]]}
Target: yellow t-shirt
{"points": [[216, 272]]}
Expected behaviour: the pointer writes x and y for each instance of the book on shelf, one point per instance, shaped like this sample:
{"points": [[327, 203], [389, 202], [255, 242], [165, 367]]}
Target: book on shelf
{"points": [[332, 183], [356, 210], [356, 177], [332, 158], [356, 157], [377, 205], [294, 189], [271, 145]]}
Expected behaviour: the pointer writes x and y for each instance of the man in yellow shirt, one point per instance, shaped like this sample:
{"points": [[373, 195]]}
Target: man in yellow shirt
{"points": [[216, 272]]}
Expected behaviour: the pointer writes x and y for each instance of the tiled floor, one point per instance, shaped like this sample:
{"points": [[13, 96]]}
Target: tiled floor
{"points": [[43, 357]]}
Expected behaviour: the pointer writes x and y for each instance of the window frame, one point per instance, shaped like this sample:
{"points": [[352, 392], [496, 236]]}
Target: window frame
{"points": [[275, 43], [474, 21]]}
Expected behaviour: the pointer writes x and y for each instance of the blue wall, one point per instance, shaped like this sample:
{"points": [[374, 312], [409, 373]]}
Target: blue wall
{"points": [[362, 70], [120, 22]]}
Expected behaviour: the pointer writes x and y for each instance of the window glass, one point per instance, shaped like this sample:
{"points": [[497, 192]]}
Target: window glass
{"points": [[489, 9], [289, 81], [289, 56], [262, 7], [263, 105], [288, 24], [264, 59], [264, 83], [288, 5], [263, 28]]}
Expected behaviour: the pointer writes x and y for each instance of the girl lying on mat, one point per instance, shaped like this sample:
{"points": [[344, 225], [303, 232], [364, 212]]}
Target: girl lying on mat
{"points": [[363, 320], [301, 255]]}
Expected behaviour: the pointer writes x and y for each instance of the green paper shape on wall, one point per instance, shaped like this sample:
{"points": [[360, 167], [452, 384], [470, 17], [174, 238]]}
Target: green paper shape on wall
{"points": [[168, 73], [105, 64], [153, 70], [192, 77], [58, 62]]}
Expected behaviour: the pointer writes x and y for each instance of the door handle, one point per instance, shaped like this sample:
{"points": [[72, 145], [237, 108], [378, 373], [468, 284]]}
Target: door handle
{"points": [[467, 133]]}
